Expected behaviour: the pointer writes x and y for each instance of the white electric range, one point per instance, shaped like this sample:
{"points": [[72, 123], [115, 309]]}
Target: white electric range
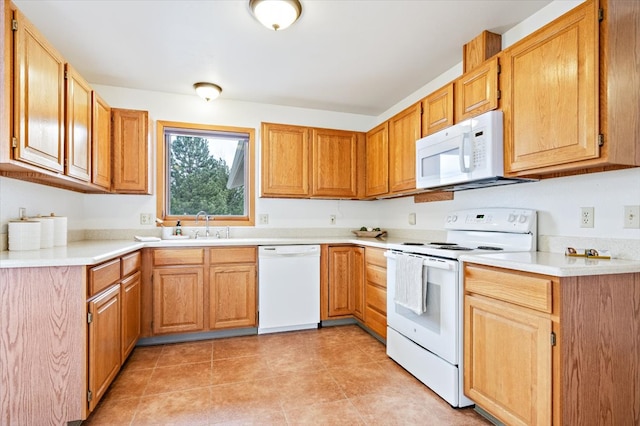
{"points": [[430, 345]]}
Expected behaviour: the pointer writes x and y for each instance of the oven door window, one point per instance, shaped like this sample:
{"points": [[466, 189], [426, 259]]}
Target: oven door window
{"points": [[436, 329]]}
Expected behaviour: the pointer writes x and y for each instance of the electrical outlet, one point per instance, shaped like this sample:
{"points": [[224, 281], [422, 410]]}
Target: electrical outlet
{"points": [[332, 219], [586, 217], [263, 219], [146, 218], [632, 217]]}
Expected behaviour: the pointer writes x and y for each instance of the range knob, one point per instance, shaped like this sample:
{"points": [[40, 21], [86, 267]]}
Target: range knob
{"points": [[522, 218], [512, 217], [454, 218]]}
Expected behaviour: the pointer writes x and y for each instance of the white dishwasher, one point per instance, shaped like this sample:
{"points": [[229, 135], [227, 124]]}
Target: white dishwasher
{"points": [[288, 288]]}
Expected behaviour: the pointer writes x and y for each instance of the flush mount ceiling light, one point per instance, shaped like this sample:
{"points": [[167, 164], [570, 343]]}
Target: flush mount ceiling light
{"points": [[276, 14], [207, 91]]}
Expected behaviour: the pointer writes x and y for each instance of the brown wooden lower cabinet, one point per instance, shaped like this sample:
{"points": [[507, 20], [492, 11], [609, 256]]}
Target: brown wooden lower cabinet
{"points": [[113, 316], [104, 342], [542, 350], [355, 285], [375, 291], [203, 289]]}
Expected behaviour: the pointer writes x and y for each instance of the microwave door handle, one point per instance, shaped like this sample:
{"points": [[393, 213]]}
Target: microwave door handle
{"points": [[463, 166]]}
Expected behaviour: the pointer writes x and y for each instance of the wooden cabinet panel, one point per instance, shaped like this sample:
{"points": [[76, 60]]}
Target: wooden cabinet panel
{"points": [[130, 168], [78, 126], [376, 291], [341, 290], [101, 143], [480, 49], [477, 91], [131, 289], [335, 163], [183, 256], [285, 160], [104, 275], [232, 292], [131, 263], [178, 300], [528, 290], [358, 283], [377, 161], [233, 255], [404, 131], [104, 342], [437, 110], [38, 98], [508, 361], [551, 117]]}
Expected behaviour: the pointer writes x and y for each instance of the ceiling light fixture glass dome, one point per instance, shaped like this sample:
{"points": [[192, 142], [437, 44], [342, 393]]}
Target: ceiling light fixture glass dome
{"points": [[276, 14], [207, 91]]}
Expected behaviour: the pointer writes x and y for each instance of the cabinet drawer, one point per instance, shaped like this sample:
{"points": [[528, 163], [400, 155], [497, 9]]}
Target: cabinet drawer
{"points": [[375, 256], [193, 256], [102, 276], [131, 263], [376, 322], [376, 298], [524, 289], [377, 275], [232, 255]]}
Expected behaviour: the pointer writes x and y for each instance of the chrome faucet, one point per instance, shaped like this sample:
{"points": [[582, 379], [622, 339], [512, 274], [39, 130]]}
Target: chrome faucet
{"points": [[206, 217]]}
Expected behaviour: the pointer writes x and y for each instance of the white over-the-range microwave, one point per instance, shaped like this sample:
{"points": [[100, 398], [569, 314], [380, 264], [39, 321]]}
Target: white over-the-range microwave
{"points": [[464, 156]]}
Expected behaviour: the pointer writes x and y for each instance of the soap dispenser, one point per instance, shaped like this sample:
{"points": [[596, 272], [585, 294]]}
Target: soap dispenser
{"points": [[178, 228]]}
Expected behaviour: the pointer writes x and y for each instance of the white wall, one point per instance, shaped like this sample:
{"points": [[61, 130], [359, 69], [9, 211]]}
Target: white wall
{"points": [[557, 199]]}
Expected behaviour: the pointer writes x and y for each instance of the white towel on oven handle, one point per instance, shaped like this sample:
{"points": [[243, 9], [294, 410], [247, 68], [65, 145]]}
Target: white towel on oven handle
{"points": [[411, 283]]}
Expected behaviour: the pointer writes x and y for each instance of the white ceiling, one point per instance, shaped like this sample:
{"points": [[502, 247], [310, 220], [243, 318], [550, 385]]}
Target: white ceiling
{"points": [[357, 56]]}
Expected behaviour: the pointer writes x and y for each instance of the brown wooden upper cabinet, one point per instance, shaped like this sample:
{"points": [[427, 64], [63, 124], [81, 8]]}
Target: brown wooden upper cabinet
{"points": [[288, 151], [101, 146], [477, 91], [38, 136], [404, 131], [130, 161], [563, 82], [79, 133], [377, 161], [437, 110]]}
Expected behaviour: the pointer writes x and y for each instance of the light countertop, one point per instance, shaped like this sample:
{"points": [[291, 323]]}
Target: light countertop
{"points": [[92, 252], [555, 264]]}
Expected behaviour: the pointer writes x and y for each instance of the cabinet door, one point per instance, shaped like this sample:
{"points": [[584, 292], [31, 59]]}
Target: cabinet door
{"points": [[285, 161], [377, 161], [341, 290], [335, 163], [358, 273], [507, 355], [131, 288], [232, 292], [78, 126], [404, 131], [104, 342], [477, 91], [178, 300], [101, 143], [376, 291], [550, 94], [130, 152], [38, 99], [437, 110]]}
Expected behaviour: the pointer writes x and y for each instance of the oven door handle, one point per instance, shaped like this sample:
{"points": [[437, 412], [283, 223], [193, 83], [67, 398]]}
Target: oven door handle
{"points": [[428, 261]]}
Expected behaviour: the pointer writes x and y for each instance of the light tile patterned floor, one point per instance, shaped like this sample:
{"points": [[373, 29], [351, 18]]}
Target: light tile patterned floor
{"points": [[331, 376]]}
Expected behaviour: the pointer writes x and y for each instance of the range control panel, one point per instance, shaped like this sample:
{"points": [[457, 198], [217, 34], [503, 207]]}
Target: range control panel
{"points": [[492, 219]]}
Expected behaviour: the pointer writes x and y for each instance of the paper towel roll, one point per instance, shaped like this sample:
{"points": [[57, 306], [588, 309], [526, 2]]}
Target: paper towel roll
{"points": [[59, 230], [24, 235], [46, 230]]}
